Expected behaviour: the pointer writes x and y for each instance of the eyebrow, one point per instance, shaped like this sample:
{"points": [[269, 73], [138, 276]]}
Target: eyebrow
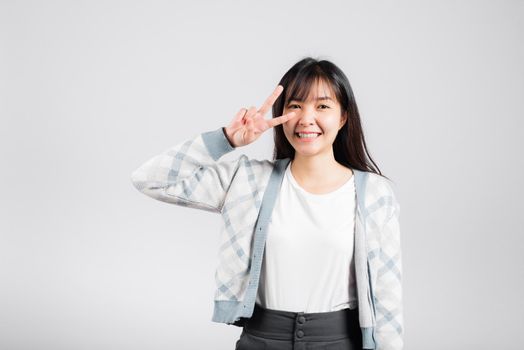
{"points": [[322, 98]]}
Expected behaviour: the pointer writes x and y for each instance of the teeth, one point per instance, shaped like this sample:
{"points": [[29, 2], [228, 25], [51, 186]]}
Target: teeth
{"points": [[310, 136]]}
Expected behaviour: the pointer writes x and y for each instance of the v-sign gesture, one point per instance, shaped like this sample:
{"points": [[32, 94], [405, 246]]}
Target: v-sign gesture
{"points": [[249, 124]]}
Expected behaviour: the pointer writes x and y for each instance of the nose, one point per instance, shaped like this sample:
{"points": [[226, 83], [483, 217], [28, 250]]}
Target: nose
{"points": [[303, 123], [307, 117]]}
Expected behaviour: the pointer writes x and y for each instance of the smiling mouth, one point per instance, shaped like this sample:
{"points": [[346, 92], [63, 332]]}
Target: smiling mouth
{"points": [[307, 135]]}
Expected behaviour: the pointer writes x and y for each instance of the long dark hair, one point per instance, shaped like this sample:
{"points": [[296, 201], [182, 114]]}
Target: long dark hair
{"points": [[349, 146]]}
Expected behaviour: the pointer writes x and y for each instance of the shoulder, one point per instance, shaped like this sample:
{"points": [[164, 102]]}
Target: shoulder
{"points": [[373, 184], [379, 194], [262, 165], [252, 171], [380, 184]]}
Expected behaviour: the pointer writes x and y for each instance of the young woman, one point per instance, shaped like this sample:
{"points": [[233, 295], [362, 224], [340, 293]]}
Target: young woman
{"points": [[310, 243]]}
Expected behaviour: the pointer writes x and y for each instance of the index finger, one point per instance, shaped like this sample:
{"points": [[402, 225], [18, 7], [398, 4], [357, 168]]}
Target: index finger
{"points": [[270, 100], [280, 120]]}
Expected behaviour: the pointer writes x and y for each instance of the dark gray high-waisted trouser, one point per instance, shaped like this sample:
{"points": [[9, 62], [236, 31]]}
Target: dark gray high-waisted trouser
{"points": [[283, 330]]}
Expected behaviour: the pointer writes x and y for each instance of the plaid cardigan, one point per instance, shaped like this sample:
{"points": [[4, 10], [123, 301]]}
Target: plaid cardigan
{"points": [[243, 192]]}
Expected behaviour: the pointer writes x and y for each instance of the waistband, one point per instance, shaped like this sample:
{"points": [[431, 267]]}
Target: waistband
{"points": [[319, 326]]}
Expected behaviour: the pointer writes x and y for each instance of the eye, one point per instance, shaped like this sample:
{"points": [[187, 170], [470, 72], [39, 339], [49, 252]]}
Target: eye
{"points": [[291, 105], [325, 106]]}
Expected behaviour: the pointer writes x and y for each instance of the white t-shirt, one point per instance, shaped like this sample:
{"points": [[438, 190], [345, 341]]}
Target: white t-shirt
{"points": [[308, 260]]}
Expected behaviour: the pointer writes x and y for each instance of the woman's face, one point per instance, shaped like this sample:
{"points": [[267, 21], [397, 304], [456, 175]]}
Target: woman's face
{"points": [[320, 115]]}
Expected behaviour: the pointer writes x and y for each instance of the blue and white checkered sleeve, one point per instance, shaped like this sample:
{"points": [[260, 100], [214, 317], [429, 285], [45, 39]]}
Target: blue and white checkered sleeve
{"points": [[189, 174], [389, 331]]}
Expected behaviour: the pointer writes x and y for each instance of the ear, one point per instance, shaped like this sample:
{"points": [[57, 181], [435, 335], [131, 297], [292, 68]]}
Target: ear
{"points": [[343, 119]]}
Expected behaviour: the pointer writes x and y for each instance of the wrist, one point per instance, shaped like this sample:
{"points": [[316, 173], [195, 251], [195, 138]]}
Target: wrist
{"points": [[228, 137]]}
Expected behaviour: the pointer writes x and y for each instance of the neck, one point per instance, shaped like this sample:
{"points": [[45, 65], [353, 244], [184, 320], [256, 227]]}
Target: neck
{"points": [[315, 169]]}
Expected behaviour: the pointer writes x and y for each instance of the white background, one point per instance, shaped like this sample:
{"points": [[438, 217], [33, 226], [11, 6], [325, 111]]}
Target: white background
{"points": [[89, 90]]}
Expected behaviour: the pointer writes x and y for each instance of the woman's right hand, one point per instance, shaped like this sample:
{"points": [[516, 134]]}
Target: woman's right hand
{"points": [[249, 124]]}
